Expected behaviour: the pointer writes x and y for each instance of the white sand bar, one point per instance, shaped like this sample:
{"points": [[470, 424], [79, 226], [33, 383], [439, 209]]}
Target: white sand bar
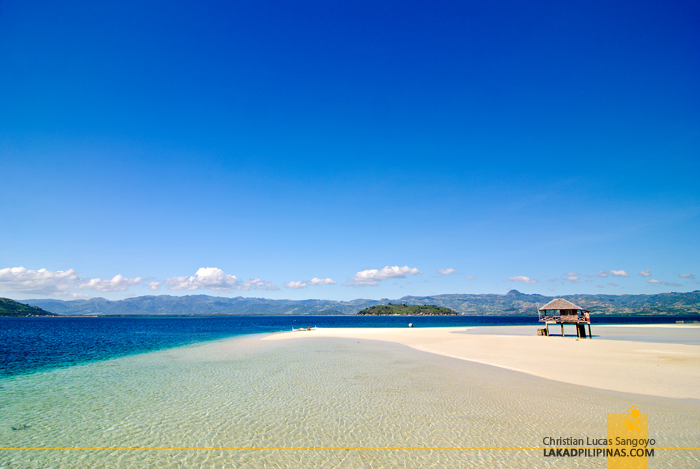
{"points": [[657, 369]]}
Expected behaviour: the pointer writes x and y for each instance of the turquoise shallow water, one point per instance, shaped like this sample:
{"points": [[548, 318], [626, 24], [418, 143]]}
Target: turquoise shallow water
{"points": [[312, 403]]}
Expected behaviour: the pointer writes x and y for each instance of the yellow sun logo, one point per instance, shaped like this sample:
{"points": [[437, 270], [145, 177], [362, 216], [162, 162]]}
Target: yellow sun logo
{"points": [[633, 422]]}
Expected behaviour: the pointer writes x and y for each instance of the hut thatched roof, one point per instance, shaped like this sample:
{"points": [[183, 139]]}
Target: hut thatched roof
{"points": [[560, 304]]}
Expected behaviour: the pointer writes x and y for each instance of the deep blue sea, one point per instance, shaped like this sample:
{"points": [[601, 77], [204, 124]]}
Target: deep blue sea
{"points": [[33, 344]]}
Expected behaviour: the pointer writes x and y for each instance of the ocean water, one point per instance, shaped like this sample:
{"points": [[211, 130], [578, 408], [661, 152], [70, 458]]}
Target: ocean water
{"points": [[32, 344], [312, 403], [242, 402]]}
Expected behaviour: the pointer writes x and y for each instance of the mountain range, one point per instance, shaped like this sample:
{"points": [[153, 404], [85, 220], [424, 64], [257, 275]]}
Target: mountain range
{"points": [[512, 303]]}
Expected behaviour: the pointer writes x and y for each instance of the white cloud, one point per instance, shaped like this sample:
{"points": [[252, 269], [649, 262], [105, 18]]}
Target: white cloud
{"points": [[19, 279], [572, 278], [655, 282], [372, 277], [614, 273], [295, 284], [470, 277], [600, 286], [321, 281], [572, 274], [613, 284], [154, 285], [212, 278], [687, 276], [209, 278], [42, 281], [446, 271], [522, 278], [311, 283], [118, 283], [645, 273]]}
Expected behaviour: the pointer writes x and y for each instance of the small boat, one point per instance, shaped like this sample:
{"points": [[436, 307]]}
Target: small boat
{"points": [[309, 328]]}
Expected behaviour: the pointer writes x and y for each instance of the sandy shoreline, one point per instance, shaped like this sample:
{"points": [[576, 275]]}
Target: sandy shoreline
{"points": [[656, 369]]}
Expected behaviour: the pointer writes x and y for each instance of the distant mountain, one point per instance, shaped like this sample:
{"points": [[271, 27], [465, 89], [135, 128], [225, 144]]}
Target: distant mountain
{"points": [[200, 305], [516, 303], [13, 308], [512, 303]]}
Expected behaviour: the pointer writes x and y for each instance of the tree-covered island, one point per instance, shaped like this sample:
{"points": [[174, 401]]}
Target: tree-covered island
{"points": [[407, 310], [12, 308]]}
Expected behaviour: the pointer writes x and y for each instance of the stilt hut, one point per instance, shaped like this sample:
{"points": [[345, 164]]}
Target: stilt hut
{"points": [[562, 312]]}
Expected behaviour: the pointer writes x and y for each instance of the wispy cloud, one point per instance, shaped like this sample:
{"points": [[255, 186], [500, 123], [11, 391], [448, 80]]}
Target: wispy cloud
{"points": [[212, 278], [602, 273], [154, 285], [691, 276], [257, 284], [77, 296], [446, 271], [470, 277], [522, 278], [372, 277], [59, 283], [668, 284], [313, 282], [613, 284], [645, 273], [572, 279]]}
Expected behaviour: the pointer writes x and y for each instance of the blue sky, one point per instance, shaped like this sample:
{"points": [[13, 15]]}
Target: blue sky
{"points": [[261, 148]]}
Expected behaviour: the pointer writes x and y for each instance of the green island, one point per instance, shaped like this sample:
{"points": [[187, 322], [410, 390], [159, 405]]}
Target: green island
{"points": [[12, 308], [407, 310]]}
